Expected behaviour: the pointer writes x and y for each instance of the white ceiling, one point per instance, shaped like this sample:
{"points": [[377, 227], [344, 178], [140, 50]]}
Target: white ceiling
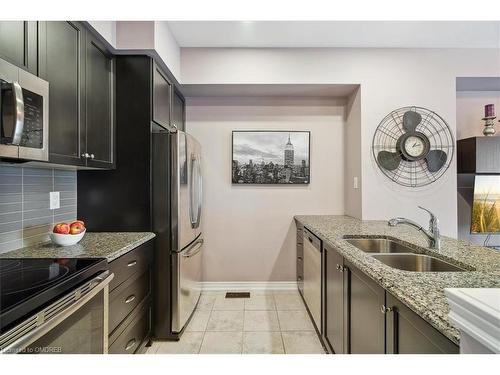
{"points": [[351, 34]]}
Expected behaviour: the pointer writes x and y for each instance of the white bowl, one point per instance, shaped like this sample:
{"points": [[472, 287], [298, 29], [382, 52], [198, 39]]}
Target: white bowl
{"points": [[66, 239]]}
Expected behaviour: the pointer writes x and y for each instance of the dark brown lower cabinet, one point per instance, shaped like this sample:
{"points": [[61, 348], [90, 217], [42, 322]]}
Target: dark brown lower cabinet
{"points": [[130, 300], [408, 333], [365, 323], [334, 299]]}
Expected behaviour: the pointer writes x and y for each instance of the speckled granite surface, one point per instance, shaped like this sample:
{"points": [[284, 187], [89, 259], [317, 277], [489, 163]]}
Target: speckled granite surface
{"points": [[109, 245], [423, 292]]}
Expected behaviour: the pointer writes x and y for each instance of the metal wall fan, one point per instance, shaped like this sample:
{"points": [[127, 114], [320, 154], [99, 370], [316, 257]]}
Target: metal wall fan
{"points": [[413, 146]]}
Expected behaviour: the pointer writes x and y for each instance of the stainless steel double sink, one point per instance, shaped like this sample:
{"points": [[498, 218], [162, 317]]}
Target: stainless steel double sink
{"points": [[398, 255]]}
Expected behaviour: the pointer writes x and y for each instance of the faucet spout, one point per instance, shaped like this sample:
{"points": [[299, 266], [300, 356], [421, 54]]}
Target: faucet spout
{"points": [[433, 234]]}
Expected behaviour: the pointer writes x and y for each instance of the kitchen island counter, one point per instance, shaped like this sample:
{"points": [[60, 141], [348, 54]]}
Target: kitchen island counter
{"points": [[109, 245], [422, 292]]}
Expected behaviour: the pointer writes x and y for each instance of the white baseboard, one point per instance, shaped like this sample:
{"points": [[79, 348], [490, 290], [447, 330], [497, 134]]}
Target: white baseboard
{"points": [[248, 285]]}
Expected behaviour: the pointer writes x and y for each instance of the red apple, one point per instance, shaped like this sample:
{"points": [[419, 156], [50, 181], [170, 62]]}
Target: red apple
{"points": [[61, 228], [76, 227], [78, 221]]}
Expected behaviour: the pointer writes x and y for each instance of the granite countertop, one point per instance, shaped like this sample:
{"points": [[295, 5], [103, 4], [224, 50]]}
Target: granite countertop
{"points": [[422, 292], [109, 245]]}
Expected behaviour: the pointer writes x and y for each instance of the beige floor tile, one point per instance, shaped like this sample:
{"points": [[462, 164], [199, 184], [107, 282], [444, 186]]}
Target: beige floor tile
{"points": [[206, 302], [225, 321], [295, 321], [289, 302], [286, 291], [222, 343], [302, 343], [223, 303], [153, 348], [261, 321], [189, 343], [260, 302], [199, 321], [262, 343]]}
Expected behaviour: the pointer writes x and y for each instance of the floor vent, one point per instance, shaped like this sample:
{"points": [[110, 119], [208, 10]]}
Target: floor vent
{"points": [[238, 295]]}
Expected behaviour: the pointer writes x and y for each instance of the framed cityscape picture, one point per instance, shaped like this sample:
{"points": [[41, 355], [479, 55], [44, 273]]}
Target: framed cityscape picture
{"points": [[271, 157]]}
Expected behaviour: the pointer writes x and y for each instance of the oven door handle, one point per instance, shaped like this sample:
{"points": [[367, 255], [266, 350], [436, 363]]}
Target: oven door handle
{"points": [[80, 298]]}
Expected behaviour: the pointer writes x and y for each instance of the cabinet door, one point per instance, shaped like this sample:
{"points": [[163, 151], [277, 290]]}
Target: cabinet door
{"points": [[61, 49], [178, 111], [334, 299], [162, 90], [18, 44], [99, 97], [407, 333], [365, 324]]}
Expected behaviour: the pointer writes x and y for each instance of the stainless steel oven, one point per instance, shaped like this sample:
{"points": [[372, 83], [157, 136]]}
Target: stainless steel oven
{"points": [[75, 323], [24, 114]]}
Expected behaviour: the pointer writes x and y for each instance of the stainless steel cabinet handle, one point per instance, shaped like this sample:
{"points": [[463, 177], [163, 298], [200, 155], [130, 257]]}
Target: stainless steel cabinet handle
{"points": [[131, 263], [130, 344], [384, 309], [130, 298]]}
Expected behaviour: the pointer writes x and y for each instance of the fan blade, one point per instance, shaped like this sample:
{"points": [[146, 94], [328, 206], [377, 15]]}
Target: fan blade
{"points": [[411, 119], [435, 160], [389, 160]]}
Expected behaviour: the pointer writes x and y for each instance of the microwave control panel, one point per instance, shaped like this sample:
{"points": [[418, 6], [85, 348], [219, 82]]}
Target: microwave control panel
{"points": [[33, 120]]}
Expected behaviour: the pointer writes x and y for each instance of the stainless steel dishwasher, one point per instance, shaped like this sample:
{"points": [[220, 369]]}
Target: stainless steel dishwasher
{"points": [[312, 276]]}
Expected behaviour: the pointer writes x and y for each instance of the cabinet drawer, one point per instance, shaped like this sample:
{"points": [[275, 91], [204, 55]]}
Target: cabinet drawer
{"points": [[126, 297], [135, 261], [134, 334]]}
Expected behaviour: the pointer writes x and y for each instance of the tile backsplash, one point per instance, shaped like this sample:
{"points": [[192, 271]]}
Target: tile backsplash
{"points": [[25, 217]]}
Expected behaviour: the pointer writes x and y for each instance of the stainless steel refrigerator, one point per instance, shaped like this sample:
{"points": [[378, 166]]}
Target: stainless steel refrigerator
{"points": [[187, 238]]}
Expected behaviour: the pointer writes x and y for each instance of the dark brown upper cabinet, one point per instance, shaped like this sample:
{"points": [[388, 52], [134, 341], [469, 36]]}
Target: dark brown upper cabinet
{"points": [[365, 323], [62, 52], [81, 108], [162, 91], [408, 333], [18, 44], [99, 95], [179, 111]]}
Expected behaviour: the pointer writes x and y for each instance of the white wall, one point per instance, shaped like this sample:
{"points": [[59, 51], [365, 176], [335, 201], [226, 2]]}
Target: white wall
{"points": [[389, 79], [249, 230], [107, 29], [353, 199], [147, 37]]}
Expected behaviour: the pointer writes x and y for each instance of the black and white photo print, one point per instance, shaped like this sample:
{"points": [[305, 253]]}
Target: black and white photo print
{"points": [[270, 157]]}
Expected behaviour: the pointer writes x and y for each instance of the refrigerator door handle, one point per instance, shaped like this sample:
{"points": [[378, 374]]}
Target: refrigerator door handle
{"points": [[200, 192], [192, 193]]}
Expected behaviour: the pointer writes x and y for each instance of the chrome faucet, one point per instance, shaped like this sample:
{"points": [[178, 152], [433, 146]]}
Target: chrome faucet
{"points": [[432, 234]]}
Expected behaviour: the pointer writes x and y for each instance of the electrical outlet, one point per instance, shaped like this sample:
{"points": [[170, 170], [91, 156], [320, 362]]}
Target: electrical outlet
{"points": [[55, 201], [355, 183]]}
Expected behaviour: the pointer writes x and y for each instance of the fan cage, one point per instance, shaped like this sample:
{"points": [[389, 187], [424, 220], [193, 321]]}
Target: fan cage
{"points": [[413, 173]]}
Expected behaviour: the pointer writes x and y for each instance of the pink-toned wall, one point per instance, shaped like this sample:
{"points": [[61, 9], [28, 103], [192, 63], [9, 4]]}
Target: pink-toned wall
{"points": [[249, 230]]}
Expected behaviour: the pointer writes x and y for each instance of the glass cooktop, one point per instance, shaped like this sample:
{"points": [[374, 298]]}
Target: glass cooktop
{"points": [[28, 284]]}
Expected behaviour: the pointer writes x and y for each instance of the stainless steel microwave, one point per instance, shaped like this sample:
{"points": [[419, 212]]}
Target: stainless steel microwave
{"points": [[24, 115]]}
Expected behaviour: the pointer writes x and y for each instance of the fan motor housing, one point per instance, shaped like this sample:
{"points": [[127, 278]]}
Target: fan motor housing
{"points": [[401, 141]]}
